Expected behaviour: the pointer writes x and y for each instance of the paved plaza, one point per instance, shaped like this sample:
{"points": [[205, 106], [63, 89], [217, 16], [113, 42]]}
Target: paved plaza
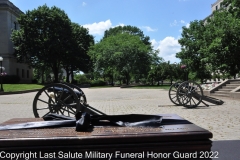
{"points": [[223, 121]]}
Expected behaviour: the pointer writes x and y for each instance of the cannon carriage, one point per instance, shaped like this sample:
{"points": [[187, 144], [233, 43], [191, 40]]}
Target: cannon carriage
{"points": [[68, 99], [190, 94], [61, 98]]}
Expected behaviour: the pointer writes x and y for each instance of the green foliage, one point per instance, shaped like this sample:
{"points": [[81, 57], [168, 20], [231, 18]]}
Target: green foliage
{"points": [[97, 83], [192, 53], [165, 71], [216, 76], [43, 37], [77, 58], [132, 30], [233, 7], [225, 76], [11, 79], [122, 53], [41, 74], [47, 38], [82, 79], [214, 45], [224, 34], [161, 71]]}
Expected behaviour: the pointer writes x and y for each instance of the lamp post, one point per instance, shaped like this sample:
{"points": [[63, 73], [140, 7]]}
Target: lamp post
{"points": [[1, 89]]}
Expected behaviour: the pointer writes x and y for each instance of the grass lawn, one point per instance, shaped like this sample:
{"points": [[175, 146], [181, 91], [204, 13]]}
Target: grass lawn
{"points": [[23, 87], [20, 87]]}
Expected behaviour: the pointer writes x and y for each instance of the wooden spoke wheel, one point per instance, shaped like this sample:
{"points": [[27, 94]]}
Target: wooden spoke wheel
{"points": [[189, 94], [56, 98], [172, 93], [81, 96]]}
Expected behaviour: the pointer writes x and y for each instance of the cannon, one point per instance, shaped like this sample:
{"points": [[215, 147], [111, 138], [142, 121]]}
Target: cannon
{"points": [[61, 98], [190, 94], [68, 99]]}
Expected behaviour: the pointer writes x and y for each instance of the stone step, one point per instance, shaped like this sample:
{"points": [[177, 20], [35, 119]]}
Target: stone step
{"points": [[225, 89], [220, 95], [229, 87], [221, 92], [235, 82], [233, 85]]}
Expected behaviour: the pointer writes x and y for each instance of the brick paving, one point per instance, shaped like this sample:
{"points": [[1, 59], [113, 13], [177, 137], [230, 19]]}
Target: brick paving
{"points": [[223, 121]]}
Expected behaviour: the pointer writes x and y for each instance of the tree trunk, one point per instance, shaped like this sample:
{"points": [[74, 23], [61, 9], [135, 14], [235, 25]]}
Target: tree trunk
{"points": [[186, 75], [72, 75], [42, 75], [112, 81], [55, 72], [127, 79], [112, 78], [67, 74]]}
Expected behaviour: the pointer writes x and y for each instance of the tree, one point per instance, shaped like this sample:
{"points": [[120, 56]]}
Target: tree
{"points": [[43, 38], [223, 50], [77, 58], [40, 72], [132, 30], [193, 43], [232, 6], [123, 53], [181, 74], [141, 70], [102, 57], [154, 72]]}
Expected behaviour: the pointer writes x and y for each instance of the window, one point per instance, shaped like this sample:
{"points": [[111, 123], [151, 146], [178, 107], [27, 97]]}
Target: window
{"points": [[22, 73], [15, 25], [216, 7], [27, 73]]}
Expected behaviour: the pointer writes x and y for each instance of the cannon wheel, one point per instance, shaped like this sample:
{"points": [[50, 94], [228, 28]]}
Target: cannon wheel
{"points": [[172, 93], [56, 98], [189, 94], [82, 97]]}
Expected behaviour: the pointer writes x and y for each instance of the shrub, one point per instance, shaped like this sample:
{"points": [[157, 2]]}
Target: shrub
{"points": [[98, 83], [11, 79], [82, 79]]}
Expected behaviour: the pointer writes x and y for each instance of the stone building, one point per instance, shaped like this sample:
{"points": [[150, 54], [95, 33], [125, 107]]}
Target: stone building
{"points": [[216, 5], [8, 21]]}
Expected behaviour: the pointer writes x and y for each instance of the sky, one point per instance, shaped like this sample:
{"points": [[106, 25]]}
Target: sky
{"points": [[161, 20]]}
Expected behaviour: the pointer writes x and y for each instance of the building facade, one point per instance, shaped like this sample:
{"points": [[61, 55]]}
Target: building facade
{"points": [[8, 22], [216, 5]]}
